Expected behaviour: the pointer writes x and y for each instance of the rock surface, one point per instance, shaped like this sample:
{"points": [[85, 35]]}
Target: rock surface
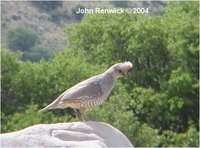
{"points": [[76, 134]]}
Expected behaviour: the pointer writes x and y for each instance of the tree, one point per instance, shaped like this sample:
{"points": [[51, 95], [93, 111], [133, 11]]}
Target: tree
{"points": [[20, 38]]}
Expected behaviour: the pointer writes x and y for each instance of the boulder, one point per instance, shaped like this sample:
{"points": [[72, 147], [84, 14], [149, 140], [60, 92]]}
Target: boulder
{"points": [[75, 134]]}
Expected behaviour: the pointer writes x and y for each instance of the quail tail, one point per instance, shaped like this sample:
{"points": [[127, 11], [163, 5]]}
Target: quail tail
{"points": [[50, 106], [44, 109]]}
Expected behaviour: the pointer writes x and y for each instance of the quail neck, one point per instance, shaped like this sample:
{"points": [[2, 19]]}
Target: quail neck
{"points": [[106, 83]]}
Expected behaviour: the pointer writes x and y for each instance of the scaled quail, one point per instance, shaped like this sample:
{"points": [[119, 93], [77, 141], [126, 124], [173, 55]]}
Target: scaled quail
{"points": [[91, 92]]}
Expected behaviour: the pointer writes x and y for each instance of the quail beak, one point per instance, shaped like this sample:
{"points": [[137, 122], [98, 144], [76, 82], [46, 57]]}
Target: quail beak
{"points": [[129, 70], [123, 73]]}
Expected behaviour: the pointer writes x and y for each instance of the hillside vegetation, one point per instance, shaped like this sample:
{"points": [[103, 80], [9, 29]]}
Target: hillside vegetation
{"points": [[157, 104], [37, 27]]}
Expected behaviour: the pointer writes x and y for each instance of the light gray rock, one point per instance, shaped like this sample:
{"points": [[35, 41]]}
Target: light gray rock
{"points": [[76, 134]]}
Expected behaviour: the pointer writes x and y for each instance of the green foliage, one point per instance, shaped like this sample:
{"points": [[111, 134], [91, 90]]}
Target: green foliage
{"points": [[26, 40], [113, 42], [181, 23], [158, 109], [42, 82], [19, 38], [155, 105], [36, 53], [117, 113], [9, 69], [188, 139]]}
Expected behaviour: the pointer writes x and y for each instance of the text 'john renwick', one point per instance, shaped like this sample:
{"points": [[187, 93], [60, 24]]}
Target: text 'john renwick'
{"points": [[112, 10], [100, 10]]}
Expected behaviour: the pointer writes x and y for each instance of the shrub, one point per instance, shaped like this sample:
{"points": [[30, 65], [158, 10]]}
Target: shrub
{"points": [[188, 139], [47, 5], [36, 53], [20, 38]]}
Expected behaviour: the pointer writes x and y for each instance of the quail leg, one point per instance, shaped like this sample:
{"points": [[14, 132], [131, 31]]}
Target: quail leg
{"points": [[79, 114]]}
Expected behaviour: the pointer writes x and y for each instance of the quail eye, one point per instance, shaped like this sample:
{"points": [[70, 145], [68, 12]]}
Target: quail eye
{"points": [[119, 71]]}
